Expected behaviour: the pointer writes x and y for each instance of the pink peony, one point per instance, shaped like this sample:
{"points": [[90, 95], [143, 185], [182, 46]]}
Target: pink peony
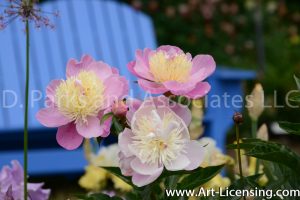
{"points": [[169, 69], [158, 139], [76, 105]]}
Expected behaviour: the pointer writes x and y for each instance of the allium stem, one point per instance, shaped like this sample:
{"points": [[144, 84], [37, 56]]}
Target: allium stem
{"points": [[26, 113], [237, 131]]}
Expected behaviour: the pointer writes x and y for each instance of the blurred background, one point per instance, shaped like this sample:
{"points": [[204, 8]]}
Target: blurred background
{"points": [[262, 35], [258, 35]]}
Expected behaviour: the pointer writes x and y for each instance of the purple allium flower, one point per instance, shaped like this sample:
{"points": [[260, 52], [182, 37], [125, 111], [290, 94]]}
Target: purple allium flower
{"points": [[25, 10], [11, 184]]}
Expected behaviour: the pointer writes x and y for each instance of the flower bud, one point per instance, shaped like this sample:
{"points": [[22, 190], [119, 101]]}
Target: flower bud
{"points": [[262, 133], [238, 118], [255, 102], [119, 108]]}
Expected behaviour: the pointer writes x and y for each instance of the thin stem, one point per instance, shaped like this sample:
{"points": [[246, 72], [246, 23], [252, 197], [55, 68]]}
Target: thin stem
{"points": [[237, 131], [26, 113], [254, 128]]}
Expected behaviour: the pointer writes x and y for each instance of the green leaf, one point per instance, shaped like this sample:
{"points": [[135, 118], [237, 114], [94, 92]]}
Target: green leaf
{"points": [[117, 126], [171, 181], [270, 151], [297, 81], [245, 183], [292, 128], [117, 172], [199, 176], [105, 117], [295, 98]]}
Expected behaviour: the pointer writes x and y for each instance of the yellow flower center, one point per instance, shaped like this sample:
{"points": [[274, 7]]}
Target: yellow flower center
{"points": [[165, 68], [158, 141], [80, 96]]}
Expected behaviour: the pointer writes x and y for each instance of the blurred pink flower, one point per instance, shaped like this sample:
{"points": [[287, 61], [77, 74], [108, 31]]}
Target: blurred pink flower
{"points": [[169, 69], [158, 139], [77, 104], [12, 181]]}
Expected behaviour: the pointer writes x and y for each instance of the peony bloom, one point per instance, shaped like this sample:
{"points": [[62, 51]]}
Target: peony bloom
{"points": [[169, 69], [76, 105], [158, 139], [12, 181], [255, 102]]}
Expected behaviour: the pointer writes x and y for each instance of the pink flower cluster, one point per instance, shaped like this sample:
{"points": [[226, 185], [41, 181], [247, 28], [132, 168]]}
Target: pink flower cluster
{"points": [[155, 136]]}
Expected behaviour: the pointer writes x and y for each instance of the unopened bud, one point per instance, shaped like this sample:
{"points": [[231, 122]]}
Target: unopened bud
{"points": [[238, 118], [262, 133], [120, 108], [255, 102]]}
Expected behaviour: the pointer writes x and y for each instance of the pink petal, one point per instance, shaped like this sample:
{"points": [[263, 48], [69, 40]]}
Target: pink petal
{"points": [[102, 69], [171, 50], [116, 88], [51, 117], [142, 180], [51, 89], [130, 67], [201, 89], [142, 64], [152, 87], [68, 138], [195, 153], [91, 129], [133, 106], [183, 112], [74, 67], [144, 169], [124, 163], [179, 163], [203, 66], [106, 127], [115, 70], [124, 140], [179, 88]]}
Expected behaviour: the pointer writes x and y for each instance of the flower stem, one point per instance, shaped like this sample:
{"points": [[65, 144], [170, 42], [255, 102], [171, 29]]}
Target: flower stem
{"points": [[237, 131], [26, 113], [254, 128]]}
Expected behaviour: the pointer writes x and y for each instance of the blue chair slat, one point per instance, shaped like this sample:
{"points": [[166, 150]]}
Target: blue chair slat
{"points": [[111, 10], [83, 31], [13, 83], [145, 25], [62, 49], [48, 161], [3, 114], [104, 34]]}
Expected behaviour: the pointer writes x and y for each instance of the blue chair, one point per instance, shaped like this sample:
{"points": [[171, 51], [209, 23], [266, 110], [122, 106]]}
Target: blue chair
{"points": [[108, 30]]}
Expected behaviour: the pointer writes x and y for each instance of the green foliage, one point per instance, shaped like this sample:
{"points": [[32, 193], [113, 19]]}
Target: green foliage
{"points": [[292, 128], [203, 175], [171, 179], [106, 117], [97, 196], [117, 126], [270, 151], [297, 81]]}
